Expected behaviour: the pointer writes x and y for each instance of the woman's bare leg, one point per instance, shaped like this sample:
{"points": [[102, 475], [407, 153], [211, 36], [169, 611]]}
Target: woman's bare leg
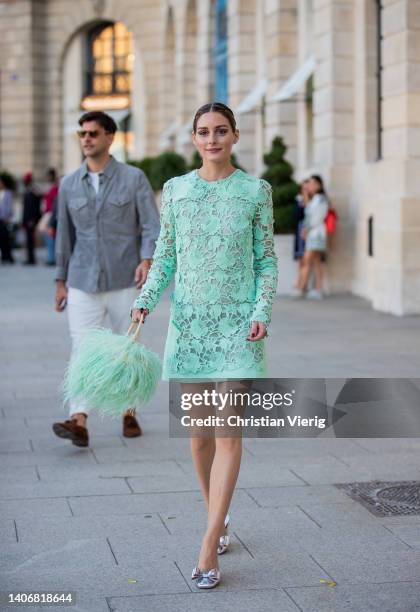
{"points": [[300, 268], [319, 272], [202, 442], [308, 259], [223, 477], [224, 474]]}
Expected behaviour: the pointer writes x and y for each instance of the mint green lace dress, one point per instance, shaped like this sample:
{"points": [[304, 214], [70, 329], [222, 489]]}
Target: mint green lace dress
{"points": [[217, 238]]}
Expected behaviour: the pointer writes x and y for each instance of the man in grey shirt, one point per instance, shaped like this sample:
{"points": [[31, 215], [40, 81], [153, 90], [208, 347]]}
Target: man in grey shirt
{"points": [[107, 222]]}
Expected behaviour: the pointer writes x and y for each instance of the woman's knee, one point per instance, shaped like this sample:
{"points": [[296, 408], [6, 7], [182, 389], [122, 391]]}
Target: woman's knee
{"points": [[228, 445], [202, 444], [310, 257]]}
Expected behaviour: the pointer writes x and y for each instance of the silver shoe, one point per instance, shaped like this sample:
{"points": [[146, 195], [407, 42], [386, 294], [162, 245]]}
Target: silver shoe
{"points": [[196, 573], [224, 540], [209, 580]]}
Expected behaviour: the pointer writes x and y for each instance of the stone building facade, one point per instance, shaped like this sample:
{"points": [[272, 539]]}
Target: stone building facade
{"points": [[338, 79]]}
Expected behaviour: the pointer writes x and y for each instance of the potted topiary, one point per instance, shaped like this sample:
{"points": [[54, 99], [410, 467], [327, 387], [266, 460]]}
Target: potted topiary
{"points": [[279, 173], [165, 166]]}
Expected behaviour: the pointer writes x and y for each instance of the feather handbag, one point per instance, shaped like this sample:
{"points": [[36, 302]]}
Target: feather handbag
{"points": [[112, 373]]}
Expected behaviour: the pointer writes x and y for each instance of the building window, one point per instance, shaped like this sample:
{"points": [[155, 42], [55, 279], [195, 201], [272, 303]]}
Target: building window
{"points": [[370, 236], [374, 80], [110, 60], [220, 52], [379, 72]]}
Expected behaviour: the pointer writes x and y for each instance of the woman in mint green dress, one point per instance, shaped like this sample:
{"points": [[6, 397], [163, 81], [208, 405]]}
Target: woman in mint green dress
{"points": [[217, 239]]}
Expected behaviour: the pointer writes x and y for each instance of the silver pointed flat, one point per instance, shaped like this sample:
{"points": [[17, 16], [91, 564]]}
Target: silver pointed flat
{"points": [[209, 580], [224, 540], [196, 573]]}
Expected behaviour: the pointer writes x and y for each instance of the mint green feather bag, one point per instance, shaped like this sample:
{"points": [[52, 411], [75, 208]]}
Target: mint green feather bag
{"points": [[112, 373]]}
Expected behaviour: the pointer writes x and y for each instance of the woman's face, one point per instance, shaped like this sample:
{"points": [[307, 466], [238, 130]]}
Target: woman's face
{"points": [[313, 187], [214, 137]]}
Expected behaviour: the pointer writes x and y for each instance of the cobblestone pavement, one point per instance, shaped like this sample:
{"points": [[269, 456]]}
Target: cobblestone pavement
{"points": [[119, 523]]}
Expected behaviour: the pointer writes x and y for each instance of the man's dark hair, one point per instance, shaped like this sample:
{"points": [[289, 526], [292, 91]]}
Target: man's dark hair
{"points": [[103, 119], [52, 174]]}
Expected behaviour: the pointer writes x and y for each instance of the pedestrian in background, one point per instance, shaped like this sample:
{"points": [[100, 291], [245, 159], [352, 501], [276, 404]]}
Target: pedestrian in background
{"points": [[299, 244], [31, 215], [6, 213], [107, 222], [315, 235], [44, 225]]}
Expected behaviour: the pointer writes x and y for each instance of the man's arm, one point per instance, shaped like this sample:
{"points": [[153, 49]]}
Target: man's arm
{"points": [[66, 237], [148, 217]]}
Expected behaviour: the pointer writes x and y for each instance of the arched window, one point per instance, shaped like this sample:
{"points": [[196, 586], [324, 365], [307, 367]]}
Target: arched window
{"points": [[110, 60], [221, 52]]}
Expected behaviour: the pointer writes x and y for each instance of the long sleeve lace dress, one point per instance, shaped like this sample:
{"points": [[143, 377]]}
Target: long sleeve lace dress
{"points": [[217, 238]]}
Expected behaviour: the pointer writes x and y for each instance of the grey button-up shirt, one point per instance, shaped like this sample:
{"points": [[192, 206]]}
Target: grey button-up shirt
{"points": [[101, 237]]}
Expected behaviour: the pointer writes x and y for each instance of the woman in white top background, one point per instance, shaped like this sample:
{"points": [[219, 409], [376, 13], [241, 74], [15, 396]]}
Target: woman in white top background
{"points": [[315, 236]]}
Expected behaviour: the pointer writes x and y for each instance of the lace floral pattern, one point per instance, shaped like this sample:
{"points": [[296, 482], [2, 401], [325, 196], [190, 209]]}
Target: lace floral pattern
{"points": [[217, 239]]}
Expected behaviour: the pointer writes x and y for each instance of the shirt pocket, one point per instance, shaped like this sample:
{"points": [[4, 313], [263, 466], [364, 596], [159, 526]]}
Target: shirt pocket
{"points": [[118, 209], [79, 209]]}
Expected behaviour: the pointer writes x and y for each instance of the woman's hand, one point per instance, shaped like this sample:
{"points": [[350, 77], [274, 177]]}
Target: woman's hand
{"points": [[137, 313], [258, 331]]}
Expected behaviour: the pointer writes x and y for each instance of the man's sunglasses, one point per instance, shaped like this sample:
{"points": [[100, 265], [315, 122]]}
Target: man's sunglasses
{"points": [[90, 133]]}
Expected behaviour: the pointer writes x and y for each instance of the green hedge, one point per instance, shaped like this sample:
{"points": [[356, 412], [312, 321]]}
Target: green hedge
{"points": [[161, 168], [279, 174]]}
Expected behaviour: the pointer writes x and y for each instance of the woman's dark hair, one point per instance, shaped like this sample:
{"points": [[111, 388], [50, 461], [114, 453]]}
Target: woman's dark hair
{"points": [[215, 107], [318, 179], [103, 119]]}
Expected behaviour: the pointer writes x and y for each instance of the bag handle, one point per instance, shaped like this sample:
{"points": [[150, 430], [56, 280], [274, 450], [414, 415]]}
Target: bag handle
{"points": [[132, 326]]}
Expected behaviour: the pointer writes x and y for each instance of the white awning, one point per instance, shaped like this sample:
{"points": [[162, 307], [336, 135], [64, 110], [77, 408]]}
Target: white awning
{"points": [[165, 139], [291, 87], [253, 99]]}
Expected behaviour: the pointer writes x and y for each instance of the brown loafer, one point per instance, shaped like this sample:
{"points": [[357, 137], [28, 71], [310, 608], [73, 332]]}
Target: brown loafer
{"points": [[70, 430], [131, 428]]}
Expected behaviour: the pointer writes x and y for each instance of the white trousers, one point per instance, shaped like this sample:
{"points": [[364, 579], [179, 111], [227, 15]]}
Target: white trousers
{"points": [[86, 311]]}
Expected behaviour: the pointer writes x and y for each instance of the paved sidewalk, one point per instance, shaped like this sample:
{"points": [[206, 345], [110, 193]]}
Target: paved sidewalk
{"points": [[119, 523]]}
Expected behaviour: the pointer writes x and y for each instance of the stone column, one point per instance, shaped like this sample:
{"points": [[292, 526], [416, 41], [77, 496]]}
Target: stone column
{"points": [[242, 73], [145, 18], [187, 75], [205, 31], [397, 269], [23, 143], [333, 123], [282, 61]]}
